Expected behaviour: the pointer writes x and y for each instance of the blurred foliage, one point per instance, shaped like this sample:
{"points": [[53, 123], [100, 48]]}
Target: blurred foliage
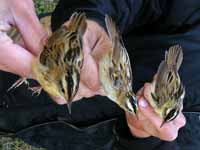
{"points": [[15, 144], [42, 6]]}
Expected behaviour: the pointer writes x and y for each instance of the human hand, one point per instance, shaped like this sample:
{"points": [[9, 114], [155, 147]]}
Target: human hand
{"points": [[95, 43], [148, 122], [16, 58]]}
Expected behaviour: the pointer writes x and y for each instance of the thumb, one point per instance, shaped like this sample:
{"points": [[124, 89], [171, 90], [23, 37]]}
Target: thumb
{"points": [[149, 113]]}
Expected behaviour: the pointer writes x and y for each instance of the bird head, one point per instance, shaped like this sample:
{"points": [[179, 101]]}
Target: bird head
{"points": [[66, 85], [170, 114], [131, 103]]}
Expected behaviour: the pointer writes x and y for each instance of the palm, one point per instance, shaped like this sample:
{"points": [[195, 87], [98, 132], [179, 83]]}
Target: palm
{"points": [[94, 47]]}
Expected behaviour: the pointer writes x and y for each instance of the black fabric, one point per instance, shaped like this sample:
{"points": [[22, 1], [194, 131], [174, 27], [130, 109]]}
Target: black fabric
{"points": [[149, 27], [70, 137], [126, 13]]}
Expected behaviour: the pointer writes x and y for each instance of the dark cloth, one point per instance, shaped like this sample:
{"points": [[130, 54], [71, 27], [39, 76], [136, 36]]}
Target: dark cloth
{"points": [[149, 27]]}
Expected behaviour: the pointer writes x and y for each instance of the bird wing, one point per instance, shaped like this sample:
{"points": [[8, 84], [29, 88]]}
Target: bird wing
{"points": [[59, 43], [120, 57], [168, 80], [77, 23], [164, 83]]}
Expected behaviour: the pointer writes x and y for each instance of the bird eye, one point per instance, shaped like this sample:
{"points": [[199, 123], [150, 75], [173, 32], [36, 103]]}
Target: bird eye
{"points": [[61, 87], [171, 115], [117, 82], [131, 104], [62, 90]]}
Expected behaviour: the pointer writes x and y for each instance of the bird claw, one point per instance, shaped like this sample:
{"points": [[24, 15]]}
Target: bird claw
{"points": [[18, 83], [36, 90]]}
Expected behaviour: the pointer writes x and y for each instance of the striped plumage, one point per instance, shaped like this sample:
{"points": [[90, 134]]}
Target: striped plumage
{"points": [[168, 92], [115, 71], [58, 67]]}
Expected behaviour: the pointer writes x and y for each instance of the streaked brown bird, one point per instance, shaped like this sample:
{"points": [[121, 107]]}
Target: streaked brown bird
{"points": [[115, 71], [58, 67], [168, 92]]}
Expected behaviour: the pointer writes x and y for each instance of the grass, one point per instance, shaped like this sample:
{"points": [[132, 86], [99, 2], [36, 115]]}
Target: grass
{"points": [[42, 6], [15, 144]]}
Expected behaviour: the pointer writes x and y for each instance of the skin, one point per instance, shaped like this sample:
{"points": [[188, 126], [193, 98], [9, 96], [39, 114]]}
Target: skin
{"points": [[95, 43], [148, 123]]}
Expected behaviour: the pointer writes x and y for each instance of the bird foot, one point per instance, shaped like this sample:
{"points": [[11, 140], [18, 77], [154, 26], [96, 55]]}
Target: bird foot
{"points": [[36, 90], [18, 83]]}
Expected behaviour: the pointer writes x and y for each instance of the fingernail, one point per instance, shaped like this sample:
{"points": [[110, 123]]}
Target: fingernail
{"points": [[143, 103]]}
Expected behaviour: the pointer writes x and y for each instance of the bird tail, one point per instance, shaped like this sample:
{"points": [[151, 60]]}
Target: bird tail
{"points": [[77, 23], [114, 37], [174, 57]]}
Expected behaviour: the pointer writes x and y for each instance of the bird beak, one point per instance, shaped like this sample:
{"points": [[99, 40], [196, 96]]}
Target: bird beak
{"points": [[134, 104], [131, 105], [69, 106], [162, 123], [69, 103]]}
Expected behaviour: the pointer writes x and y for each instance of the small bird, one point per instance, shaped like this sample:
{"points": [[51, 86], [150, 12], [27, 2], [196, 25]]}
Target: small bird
{"points": [[58, 67], [115, 71], [168, 92]]}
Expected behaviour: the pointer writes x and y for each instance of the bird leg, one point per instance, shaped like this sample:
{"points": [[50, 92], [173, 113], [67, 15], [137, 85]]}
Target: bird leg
{"points": [[18, 83], [36, 90]]}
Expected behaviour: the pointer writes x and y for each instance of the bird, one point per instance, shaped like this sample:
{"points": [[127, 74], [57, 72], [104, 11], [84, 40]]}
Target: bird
{"points": [[115, 71], [57, 69], [167, 92]]}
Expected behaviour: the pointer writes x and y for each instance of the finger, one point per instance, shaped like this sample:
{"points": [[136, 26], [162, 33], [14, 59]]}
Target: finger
{"points": [[135, 126], [90, 68], [99, 43], [180, 121], [28, 24], [167, 132], [89, 73], [169, 135], [140, 92], [137, 122], [101, 48], [138, 133], [147, 90], [149, 113], [14, 58], [83, 91], [146, 109], [91, 36]]}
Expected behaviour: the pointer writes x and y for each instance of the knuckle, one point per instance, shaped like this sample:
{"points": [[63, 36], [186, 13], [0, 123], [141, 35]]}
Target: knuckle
{"points": [[183, 122], [130, 119], [168, 133], [146, 85], [170, 136]]}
